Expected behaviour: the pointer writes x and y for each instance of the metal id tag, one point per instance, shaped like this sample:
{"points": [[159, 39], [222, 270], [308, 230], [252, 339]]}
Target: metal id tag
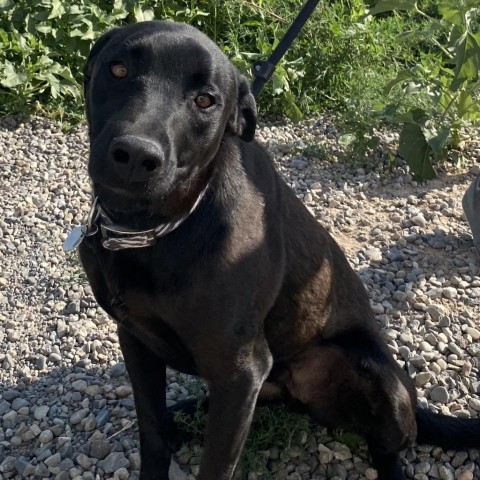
{"points": [[74, 238]]}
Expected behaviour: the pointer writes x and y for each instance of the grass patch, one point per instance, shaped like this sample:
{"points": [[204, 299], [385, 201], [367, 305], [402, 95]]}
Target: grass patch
{"points": [[273, 428]]}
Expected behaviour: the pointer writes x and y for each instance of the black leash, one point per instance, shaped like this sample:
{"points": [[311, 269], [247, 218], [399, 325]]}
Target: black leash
{"points": [[263, 69]]}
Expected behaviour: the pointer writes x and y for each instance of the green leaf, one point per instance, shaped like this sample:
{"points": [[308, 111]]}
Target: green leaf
{"points": [[43, 28], [89, 34], [467, 60], [57, 9], [418, 116], [4, 37], [6, 4], [402, 76], [416, 152], [389, 5], [437, 140], [76, 32], [347, 139], [352, 440], [74, 10], [465, 103], [252, 23], [291, 109], [278, 83], [143, 15], [11, 78], [453, 11]]}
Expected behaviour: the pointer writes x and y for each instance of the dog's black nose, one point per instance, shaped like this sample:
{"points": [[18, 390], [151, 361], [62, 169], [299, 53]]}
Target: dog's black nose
{"points": [[135, 159]]}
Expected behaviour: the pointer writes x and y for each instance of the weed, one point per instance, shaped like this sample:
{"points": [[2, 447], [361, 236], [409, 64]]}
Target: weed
{"points": [[272, 426], [442, 84]]}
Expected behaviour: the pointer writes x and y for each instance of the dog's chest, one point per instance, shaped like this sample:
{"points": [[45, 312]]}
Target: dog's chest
{"points": [[142, 299], [141, 315]]}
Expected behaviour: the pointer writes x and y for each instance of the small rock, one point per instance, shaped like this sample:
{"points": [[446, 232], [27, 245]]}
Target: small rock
{"points": [[41, 412], [102, 418], [474, 404], [40, 362], [122, 474], [10, 395], [100, 449], [373, 254], [55, 357], [79, 415], [83, 461], [113, 462], [445, 473], [53, 461], [422, 467], [123, 390], [371, 474], [444, 321], [46, 436], [439, 394], [454, 348], [19, 403], [474, 333], [118, 370], [80, 385], [459, 459], [475, 169], [298, 162], [449, 292], [8, 465], [421, 379], [419, 220]]}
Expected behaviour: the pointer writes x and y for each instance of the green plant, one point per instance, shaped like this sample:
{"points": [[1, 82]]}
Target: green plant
{"points": [[352, 440], [44, 44], [444, 82], [271, 426]]}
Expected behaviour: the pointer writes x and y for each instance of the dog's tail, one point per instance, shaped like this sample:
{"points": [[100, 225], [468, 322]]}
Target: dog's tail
{"points": [[447, 432]]}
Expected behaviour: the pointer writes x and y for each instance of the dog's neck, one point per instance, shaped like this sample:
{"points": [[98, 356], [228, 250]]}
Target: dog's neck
{"points": [[118, 237], [125, 224], [141, 214]]}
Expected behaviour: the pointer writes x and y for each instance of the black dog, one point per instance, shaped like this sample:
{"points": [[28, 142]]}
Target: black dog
{"points": [[209, 263]]}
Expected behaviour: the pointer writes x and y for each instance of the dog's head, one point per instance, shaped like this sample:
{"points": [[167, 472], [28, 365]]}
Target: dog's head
{"points": [[160, 97]]}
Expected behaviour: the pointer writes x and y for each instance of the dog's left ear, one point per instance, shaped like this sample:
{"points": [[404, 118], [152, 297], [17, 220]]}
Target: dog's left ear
{"points": [[243, 120]]}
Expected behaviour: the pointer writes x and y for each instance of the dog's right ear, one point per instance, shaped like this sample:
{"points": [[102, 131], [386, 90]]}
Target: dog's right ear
{"points": [[98, 46]]}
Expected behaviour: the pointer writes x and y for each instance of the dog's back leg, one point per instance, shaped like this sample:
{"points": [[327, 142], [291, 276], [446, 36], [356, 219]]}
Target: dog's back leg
{"points": [[353, 383]]}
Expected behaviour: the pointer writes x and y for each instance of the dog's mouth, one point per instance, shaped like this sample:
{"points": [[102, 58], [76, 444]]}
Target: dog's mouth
{"points": [[145, 205]]}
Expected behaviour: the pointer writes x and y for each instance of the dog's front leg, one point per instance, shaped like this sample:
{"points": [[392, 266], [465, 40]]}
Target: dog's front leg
{"points": [[233, 395], [148, 376]]}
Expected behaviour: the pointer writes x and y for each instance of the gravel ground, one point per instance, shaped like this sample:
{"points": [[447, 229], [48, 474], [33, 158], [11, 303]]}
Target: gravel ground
{"points": [[66, 406]]}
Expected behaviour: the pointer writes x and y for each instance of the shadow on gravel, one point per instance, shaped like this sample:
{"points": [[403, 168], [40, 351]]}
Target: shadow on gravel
{"points": [[69, 422]]}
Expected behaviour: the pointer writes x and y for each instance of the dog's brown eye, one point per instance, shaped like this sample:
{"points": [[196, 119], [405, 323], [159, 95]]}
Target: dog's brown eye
{"points": [[204, 100], [119, 70]]}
